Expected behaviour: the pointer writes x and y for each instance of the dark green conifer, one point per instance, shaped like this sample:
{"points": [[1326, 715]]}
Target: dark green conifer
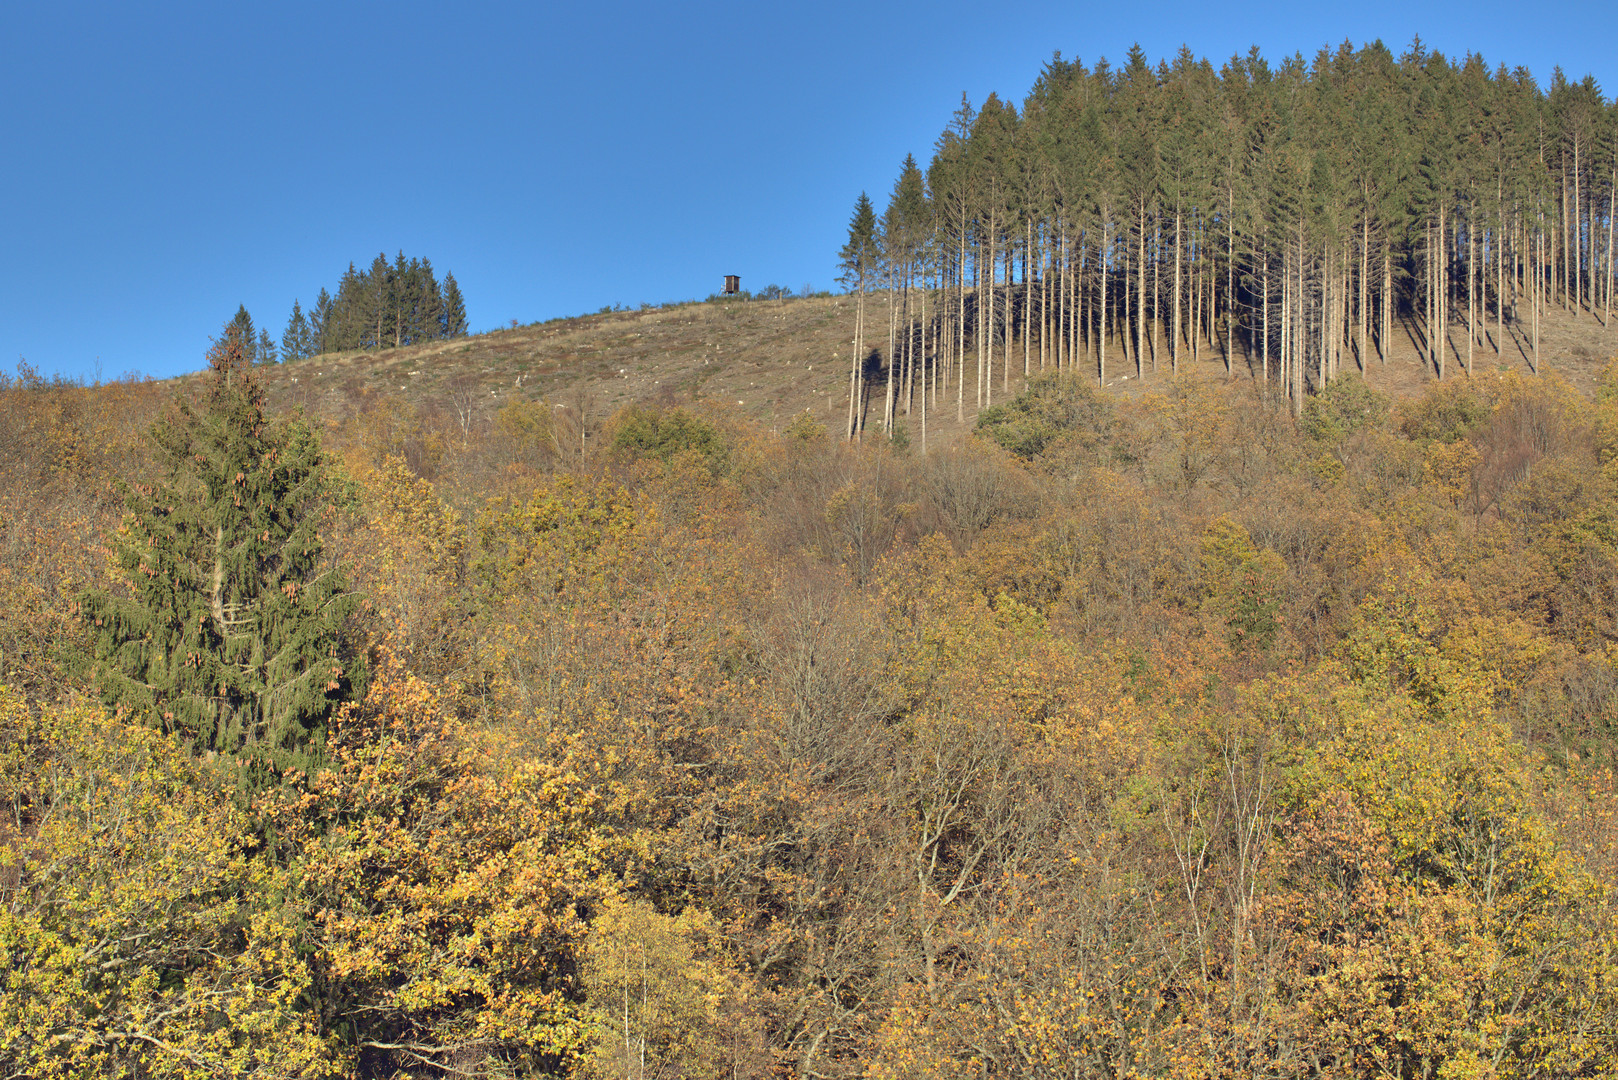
{"points": [[454, 317], [427, 315], [229, 632], [264, 350], [320, 324], [243, 322], [297, 341]]}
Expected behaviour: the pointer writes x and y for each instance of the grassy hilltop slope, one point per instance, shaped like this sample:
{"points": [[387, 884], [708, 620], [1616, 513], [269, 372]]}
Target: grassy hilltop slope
{"points": [[773, 359]]}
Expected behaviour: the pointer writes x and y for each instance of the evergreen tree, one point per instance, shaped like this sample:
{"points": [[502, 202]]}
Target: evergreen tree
{"points": [[264, 351], [388, 305], [229, 633], [320, 324], [859, 259], [297, 340], [427, 316], [348, 312], [243, 324], [454, 318], [380, 301]]}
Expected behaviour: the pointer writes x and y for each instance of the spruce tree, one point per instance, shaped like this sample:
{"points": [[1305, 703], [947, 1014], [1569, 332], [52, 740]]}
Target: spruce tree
{"points": [[381, 300], [454, 317], [243, 322], [859, 259], [427, 320], [296, 340], [229, 632], [264, 351], [321, 324]]}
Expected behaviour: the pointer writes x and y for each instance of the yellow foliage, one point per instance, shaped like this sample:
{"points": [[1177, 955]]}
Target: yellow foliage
{"points": [[444, 884], [661, 997], [142, 936]]}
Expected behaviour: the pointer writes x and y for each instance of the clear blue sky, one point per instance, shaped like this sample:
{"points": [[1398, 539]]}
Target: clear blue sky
{"points": [[164, 163]]}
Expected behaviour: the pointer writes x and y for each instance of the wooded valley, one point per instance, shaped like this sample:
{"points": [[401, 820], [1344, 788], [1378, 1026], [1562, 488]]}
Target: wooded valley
{"points": [[386, 714]]}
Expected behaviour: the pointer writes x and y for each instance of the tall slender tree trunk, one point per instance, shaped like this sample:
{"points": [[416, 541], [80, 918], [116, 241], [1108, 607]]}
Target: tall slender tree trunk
{"points": [[1499, 269], [1140, 300], [1008, 304], [1539, 267], [1471, 310], [986, 318], [1362, 349], [854, 363], [1612, 210], [1157, 286], [1386, 331], [1194, 273], [1044, 296], [1174, 315], [960, 352], [1080, 318], [1101, 326], [893, 338], [1027, 296], [1577, 237], [1300, 328], [1264, 345], [1230, 290]]}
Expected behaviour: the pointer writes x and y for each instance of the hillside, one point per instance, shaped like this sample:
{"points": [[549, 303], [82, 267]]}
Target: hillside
{"points": [[771, 360], [1045, 748]]}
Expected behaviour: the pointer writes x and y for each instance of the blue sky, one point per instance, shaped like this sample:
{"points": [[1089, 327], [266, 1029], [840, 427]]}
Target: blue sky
{"points": [[164, 163]]}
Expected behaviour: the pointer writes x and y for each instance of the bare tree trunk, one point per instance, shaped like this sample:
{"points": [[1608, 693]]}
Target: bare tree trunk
{"points": [[1612, 207], [1007, 306], [922, 359], [1230, 291], [1362, 349], [987, 331], [1284, 371], [854, 364], [1539, 267], [1577, 237], [1567, 247], [1157, 285], [1432, 301], [1300, 329], [1174, 328], [1081, 319], [1443, 292], [1027, 296], [1264, 347], [1140, 300], [1044, 297], [1101, 336], [1471, 310], [1194, 275], [960, 352], [1387, 304], [1499, 271], [893, 337]]}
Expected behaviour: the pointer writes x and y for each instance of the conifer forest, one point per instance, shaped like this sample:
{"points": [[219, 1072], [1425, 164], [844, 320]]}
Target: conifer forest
{"points": [[1191, 699], [1293, 218]]}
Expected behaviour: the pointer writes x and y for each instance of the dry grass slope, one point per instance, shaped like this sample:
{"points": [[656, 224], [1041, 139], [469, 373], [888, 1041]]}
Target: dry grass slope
{"points": [[771, 360]]}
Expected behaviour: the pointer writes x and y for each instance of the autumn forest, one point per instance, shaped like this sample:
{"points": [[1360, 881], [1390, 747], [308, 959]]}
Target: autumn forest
{"points": [[1251, 719]]}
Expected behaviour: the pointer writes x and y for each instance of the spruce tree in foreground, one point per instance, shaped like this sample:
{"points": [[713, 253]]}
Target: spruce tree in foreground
{"points": [[230, 631]]}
